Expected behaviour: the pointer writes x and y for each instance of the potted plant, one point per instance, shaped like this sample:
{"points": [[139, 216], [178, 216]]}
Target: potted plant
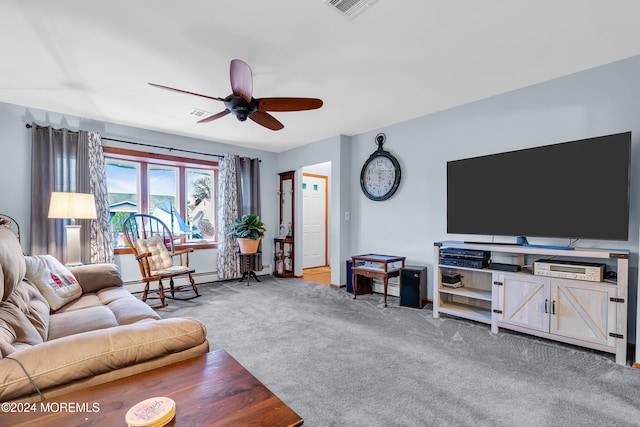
{"points": [[248, 230]]}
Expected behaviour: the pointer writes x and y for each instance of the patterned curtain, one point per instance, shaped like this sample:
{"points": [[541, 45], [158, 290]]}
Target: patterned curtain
{"points": [[229, 206], [101, 236]]}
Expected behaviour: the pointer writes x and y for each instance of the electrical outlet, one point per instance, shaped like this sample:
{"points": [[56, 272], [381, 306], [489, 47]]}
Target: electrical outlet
{"points": [[347, 215]]}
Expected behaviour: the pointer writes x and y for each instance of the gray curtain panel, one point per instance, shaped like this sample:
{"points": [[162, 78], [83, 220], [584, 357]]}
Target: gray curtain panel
{"points": [[250, 186], [63, 160], [229, 207], [58, 163]]}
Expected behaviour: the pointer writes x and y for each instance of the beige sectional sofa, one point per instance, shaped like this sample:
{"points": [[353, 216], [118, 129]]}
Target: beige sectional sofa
{"points": [[79, 329]]}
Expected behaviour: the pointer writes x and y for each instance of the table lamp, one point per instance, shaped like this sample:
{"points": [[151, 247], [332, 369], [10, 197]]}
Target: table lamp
{"points": [[72, 206]]}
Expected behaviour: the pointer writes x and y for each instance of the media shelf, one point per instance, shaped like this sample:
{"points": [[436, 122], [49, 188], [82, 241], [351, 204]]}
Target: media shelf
{"points": [[578, 312], [476, 294]]}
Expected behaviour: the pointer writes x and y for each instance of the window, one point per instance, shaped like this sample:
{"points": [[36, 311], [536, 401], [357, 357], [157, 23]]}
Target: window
{"points": [[179, 191]]}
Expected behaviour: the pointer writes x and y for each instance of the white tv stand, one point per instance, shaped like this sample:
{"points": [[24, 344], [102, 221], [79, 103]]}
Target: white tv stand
{"points": [[587, 314]]}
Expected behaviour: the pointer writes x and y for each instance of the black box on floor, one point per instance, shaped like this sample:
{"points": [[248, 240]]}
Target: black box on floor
{"points": [[349, 278], [413, 286]]}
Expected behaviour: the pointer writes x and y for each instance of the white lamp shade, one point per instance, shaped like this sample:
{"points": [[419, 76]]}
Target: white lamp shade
{"points": [[72, 206]]}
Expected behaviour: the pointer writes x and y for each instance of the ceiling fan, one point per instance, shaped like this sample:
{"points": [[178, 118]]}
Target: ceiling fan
{"points": [[243, 105]]}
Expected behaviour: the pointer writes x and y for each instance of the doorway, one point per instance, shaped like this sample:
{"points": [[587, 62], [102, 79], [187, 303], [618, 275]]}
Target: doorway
{"points": [[315, 200]]}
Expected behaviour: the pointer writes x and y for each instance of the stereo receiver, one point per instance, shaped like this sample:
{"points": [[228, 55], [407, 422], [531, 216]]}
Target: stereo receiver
{"points": [[592, 272]]}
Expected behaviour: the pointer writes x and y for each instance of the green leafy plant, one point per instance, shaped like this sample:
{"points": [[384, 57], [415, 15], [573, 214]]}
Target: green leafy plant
{"points": [[249, 227]]}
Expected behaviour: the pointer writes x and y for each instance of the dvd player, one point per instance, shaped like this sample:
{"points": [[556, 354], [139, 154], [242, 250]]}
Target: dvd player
{"points": [[592, 272]]}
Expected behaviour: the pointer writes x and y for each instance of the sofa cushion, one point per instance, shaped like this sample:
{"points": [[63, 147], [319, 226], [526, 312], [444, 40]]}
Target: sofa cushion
{"points": [[109, 295], [54, 280], [85, 301], [24, 319], [93, 277], [78, 321], [89, 354], [128, 311], [124, 309], [160, 257], [12, 266]]}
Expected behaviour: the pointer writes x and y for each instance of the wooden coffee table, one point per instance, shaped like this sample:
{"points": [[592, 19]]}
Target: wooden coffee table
{"points": [[209, 390]]}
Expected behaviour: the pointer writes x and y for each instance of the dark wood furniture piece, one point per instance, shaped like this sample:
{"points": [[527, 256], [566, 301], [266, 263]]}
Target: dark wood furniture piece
{"points": [[283, 248], [209, 390], [283, 245], [247, 266], [373, 265]]}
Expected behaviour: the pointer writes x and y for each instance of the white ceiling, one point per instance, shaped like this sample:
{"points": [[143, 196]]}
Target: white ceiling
{"points": [[398, 60]]}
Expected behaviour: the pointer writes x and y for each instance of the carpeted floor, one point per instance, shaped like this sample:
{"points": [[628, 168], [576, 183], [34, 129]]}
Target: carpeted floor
{"points": [[340, 362]]}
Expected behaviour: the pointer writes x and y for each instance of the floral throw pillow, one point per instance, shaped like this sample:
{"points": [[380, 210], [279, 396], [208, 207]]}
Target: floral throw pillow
{"points": [[54, 281]]}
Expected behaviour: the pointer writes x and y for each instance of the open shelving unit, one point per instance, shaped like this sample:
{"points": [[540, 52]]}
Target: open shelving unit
{"points": [[578, 312], [474, 299]]}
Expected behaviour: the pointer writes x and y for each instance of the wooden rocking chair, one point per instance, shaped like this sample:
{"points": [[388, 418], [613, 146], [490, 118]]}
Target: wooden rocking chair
{"points": [[152, 244]]}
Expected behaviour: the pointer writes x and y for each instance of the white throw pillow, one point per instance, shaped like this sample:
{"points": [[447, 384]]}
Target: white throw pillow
{"points": [[54, 281], [160, 257]]}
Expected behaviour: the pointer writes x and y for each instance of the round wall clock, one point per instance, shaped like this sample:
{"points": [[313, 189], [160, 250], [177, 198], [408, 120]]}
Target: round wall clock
{"points": [[380, 175]]}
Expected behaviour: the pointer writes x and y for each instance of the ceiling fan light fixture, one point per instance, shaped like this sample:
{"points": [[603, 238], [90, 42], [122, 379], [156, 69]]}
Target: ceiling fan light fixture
{"points": [[350, 8], [243, 105]]}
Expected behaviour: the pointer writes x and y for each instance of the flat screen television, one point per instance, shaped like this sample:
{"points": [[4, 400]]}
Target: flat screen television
{"points": [[577, 189]]}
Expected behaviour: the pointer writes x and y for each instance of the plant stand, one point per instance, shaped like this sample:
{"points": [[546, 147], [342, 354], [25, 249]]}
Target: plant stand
{"points": [[247, 263]]}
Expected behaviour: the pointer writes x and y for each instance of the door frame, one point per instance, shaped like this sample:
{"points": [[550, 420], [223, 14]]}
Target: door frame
{"points": [[326, 214]]}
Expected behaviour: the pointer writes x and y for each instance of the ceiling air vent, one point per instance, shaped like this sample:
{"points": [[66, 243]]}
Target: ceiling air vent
{"points": [[201, 114], [350, 8]]}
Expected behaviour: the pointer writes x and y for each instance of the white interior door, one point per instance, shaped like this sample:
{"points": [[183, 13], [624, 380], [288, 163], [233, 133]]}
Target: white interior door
{"points": [[314, 221]]}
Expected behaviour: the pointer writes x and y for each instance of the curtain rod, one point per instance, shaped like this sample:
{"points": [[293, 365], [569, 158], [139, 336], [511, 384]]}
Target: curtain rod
{"points": [[29, 126], [165, 148]]}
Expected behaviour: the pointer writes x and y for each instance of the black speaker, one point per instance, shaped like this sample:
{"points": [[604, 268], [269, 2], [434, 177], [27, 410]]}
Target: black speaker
{"points": [[349, 278], [413, 286]]}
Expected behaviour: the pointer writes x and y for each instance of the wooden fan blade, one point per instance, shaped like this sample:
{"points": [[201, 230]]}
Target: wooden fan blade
{"points": [[288, 104], [266, 120], [214, 117], [187, 92], [241, 79]]}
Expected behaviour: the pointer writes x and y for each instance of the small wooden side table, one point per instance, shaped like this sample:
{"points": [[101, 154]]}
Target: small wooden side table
{"points": [[247, 263], [374, 265]]}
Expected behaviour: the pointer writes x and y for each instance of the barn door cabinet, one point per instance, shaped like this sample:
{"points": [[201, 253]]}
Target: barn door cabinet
{"points": [[567, 309], [584, 313]]}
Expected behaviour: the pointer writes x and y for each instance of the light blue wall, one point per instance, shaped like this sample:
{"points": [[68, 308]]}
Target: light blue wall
{"points": [[15, 146], [335, 150], [595, 102]]}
